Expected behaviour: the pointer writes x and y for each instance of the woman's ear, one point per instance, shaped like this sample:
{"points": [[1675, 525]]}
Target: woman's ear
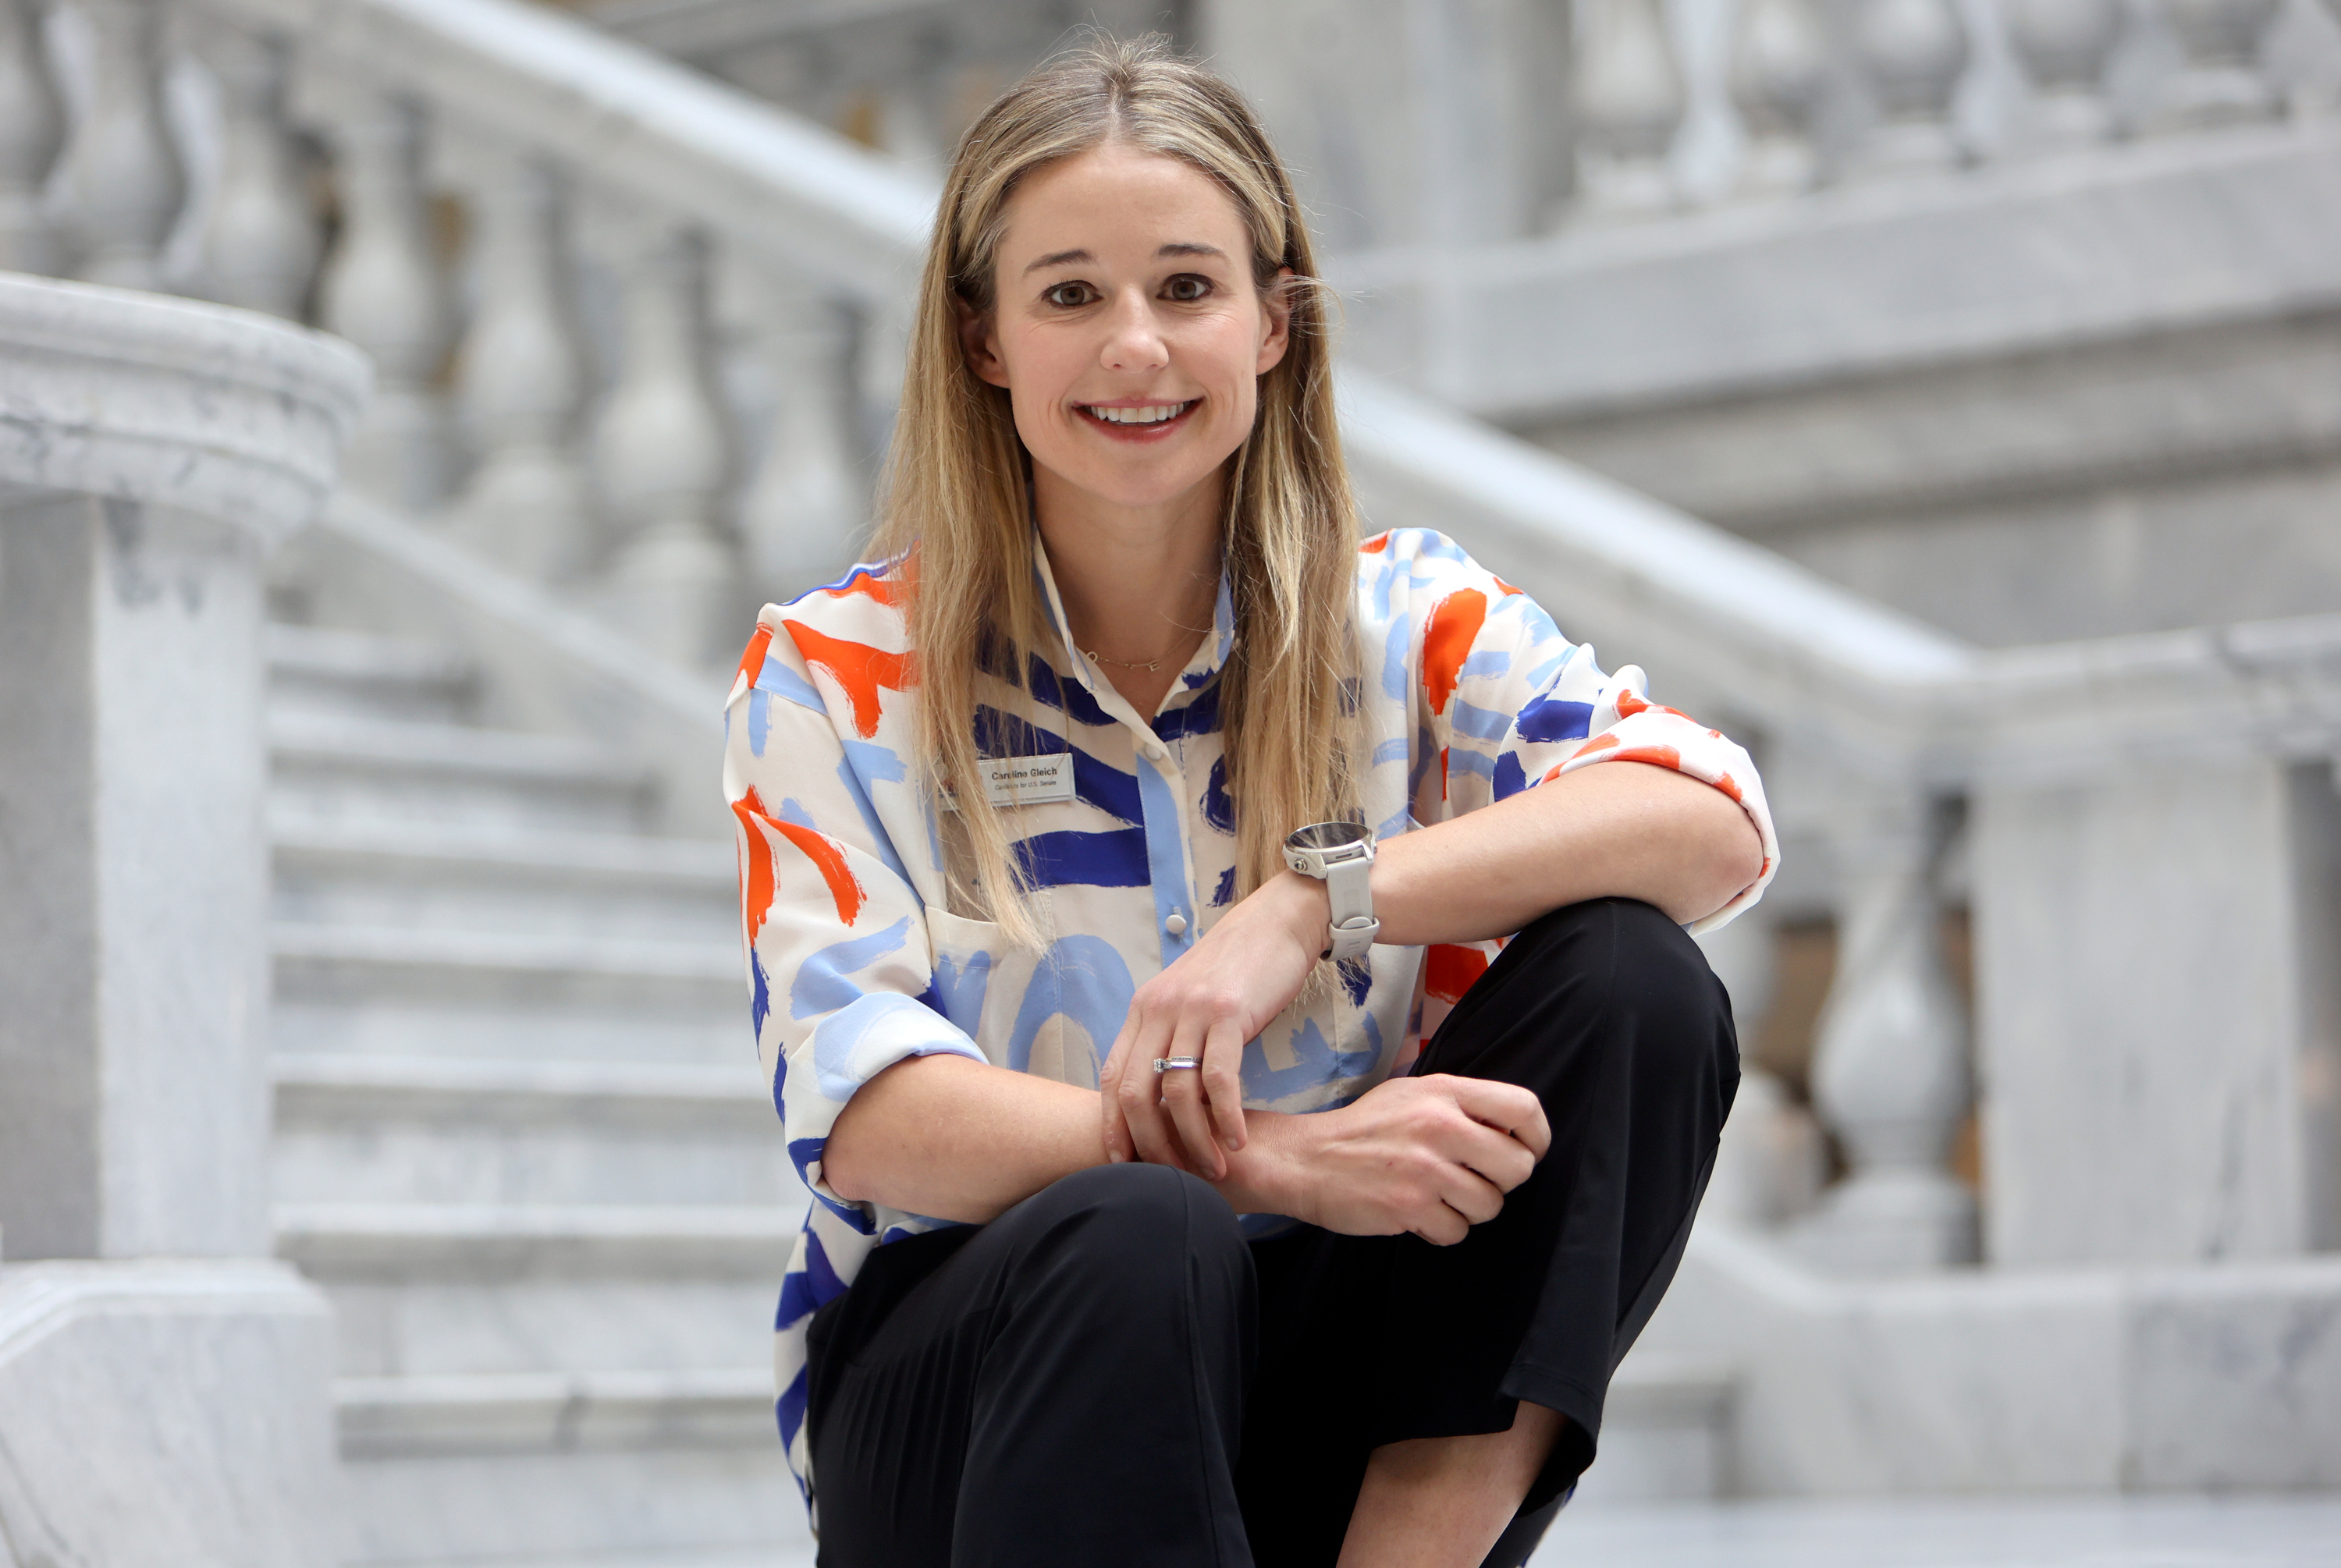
{"points": [[980, 344], [1276, 321]]}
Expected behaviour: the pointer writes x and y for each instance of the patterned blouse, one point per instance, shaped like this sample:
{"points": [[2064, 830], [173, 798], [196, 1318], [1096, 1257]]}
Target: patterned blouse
{"points": [[1470, 693]]}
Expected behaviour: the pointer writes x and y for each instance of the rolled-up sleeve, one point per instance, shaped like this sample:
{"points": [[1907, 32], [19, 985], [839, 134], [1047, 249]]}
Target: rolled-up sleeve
{"points": [[1508, 703], [840, 966]]}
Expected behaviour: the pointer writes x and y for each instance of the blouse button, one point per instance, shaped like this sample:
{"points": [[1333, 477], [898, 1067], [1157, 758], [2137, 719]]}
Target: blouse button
{"points": [[1154, 751], [1176, 925]]}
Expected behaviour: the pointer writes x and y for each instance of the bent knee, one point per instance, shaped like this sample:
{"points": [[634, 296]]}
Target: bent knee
{"points": [[1134, 1217]]}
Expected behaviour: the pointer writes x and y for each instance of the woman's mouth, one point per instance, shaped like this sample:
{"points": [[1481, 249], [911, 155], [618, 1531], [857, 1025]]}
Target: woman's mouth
{"points": [[1139, 422]]}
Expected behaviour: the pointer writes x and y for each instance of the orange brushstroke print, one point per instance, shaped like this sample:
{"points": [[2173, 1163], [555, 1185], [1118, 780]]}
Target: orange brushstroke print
{"points": [[857, 667], [760, 877], [757, 884], [1728, 784], [1455, 622], [869, 585], [1507, 589], [1656, 756], [751, 662], [1448, 970], [1601, 743], [1629, 705], [829, 859], [1377, 544]]}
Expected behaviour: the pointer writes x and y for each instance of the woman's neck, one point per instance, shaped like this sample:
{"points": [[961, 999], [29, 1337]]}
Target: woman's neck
{"points": [[1138, 583]]}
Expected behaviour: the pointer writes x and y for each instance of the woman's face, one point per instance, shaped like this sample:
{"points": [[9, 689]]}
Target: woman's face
{"points": [[1127, 328]]}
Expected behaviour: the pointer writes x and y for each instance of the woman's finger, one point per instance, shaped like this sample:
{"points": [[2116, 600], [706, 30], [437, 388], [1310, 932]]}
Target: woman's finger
{"points": [[1150, 1132], [1224, 1081], [1182, 1099], [1507, 1107], [1118, 1145], [1471, 1195]]}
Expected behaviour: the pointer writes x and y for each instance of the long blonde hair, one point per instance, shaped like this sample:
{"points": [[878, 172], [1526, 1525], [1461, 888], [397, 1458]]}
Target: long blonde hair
{"points": [[954, 495]]}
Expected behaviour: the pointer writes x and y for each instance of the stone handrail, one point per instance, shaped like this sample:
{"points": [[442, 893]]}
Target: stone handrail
{"points": [[654, 130]]}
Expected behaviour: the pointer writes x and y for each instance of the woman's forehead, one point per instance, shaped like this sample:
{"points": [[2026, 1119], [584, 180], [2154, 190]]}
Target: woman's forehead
{"points": [[1117, 204]]}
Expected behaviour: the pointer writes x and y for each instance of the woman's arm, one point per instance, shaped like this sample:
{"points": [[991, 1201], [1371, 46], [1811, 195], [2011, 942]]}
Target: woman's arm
{"points": [[964, 1140], [1624, 831], [1615, 831]]}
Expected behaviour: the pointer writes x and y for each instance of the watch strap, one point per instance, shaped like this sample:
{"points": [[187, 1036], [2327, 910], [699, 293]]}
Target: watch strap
{"points": [[1347, 888]]}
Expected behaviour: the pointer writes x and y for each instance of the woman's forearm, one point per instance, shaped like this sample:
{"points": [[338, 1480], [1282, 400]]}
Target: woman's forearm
{"points": [[1622, 830], [964, 1140]]}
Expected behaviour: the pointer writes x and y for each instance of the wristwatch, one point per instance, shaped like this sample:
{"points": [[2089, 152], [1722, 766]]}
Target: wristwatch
{"points": [[1341, 856]]}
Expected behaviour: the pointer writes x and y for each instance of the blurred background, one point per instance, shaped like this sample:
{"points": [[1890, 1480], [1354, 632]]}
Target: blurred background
{"points": [[1942, 395]]}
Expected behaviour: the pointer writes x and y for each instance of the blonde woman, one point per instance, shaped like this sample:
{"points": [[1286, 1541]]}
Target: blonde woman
{"points": [[1147, 1227]]}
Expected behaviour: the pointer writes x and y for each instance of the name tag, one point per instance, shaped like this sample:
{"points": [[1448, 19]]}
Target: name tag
{"points": [[1027, 780]]}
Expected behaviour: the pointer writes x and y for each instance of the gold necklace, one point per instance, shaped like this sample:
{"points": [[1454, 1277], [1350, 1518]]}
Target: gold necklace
{"points": [[1149, 665]]}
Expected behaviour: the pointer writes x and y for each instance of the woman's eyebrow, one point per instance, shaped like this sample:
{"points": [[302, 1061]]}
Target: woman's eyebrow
{"points": [[1175, 248]]}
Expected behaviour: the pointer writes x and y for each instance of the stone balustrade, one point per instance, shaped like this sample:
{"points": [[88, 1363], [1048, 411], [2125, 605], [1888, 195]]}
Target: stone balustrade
{"points": [[1890, 88], [621, 323], [636, 335]]}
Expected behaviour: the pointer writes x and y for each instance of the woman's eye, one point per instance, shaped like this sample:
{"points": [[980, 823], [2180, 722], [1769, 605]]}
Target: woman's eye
{"points": [[1067, 295], [1187, 288]]}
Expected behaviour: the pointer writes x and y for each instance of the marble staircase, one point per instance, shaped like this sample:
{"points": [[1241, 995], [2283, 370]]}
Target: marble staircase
{"points": [[521, 1141]]}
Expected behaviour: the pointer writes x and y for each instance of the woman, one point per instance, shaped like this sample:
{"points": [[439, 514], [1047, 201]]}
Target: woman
{"points": [[1145, 1229]]}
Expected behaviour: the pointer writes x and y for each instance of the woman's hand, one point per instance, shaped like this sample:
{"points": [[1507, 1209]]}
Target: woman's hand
{"points": [[1220, 993], [1431, 1156]]}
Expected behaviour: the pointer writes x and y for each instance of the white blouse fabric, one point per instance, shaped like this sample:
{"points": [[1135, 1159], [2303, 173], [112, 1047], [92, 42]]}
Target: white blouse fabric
{"points": [[1470, 694]]}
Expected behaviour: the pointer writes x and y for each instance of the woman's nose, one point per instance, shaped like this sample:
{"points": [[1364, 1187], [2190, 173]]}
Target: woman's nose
{"points": [[1134, 341]]}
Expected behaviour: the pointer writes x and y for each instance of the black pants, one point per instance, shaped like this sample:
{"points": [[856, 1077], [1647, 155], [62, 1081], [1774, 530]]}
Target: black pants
{"points": [[1109, 1374]]}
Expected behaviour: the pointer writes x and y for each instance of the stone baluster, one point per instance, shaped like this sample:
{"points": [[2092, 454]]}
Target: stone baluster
{"points": [[802, 507], [2064, 46], [527, 502], [1912, 54], [385, 290], [1779, 68], [123, 179], [1629, 102], [32, 129], [664, 454], [1891, 1074], [262, 238], [2220, 81]]}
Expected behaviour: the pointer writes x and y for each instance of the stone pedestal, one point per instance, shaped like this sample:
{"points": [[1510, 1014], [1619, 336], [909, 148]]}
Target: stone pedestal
{"points": [[150, 451], [2153, 965]]}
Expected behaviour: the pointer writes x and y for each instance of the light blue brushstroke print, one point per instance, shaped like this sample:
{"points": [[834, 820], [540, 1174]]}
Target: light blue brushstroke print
{"points": [[839, 1034], [957, 990], [1314, 1062], [867, 763], [822, 987], [1085, 980]]}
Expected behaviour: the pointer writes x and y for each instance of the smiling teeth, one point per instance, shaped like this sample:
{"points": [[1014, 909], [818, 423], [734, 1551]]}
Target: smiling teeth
{"points": [[1152, 413]]}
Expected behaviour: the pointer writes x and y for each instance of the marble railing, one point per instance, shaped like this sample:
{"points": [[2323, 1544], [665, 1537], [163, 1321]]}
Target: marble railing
{"points": [[1750, 100], [634, 334]]}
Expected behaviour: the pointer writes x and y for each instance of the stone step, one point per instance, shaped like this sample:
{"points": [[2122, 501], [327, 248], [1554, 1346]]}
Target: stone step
{"points": [[657, 1506], [429, 1289], [331, 768], [313, 670], [466, 1243], [555, 1412], [367, 1022], [1666, 1432], [435, 1129], [496, 877], [358, 965]]}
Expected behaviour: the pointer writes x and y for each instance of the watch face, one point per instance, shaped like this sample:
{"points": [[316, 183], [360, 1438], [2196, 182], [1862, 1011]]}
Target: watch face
{"points": [[1322, 835]]}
